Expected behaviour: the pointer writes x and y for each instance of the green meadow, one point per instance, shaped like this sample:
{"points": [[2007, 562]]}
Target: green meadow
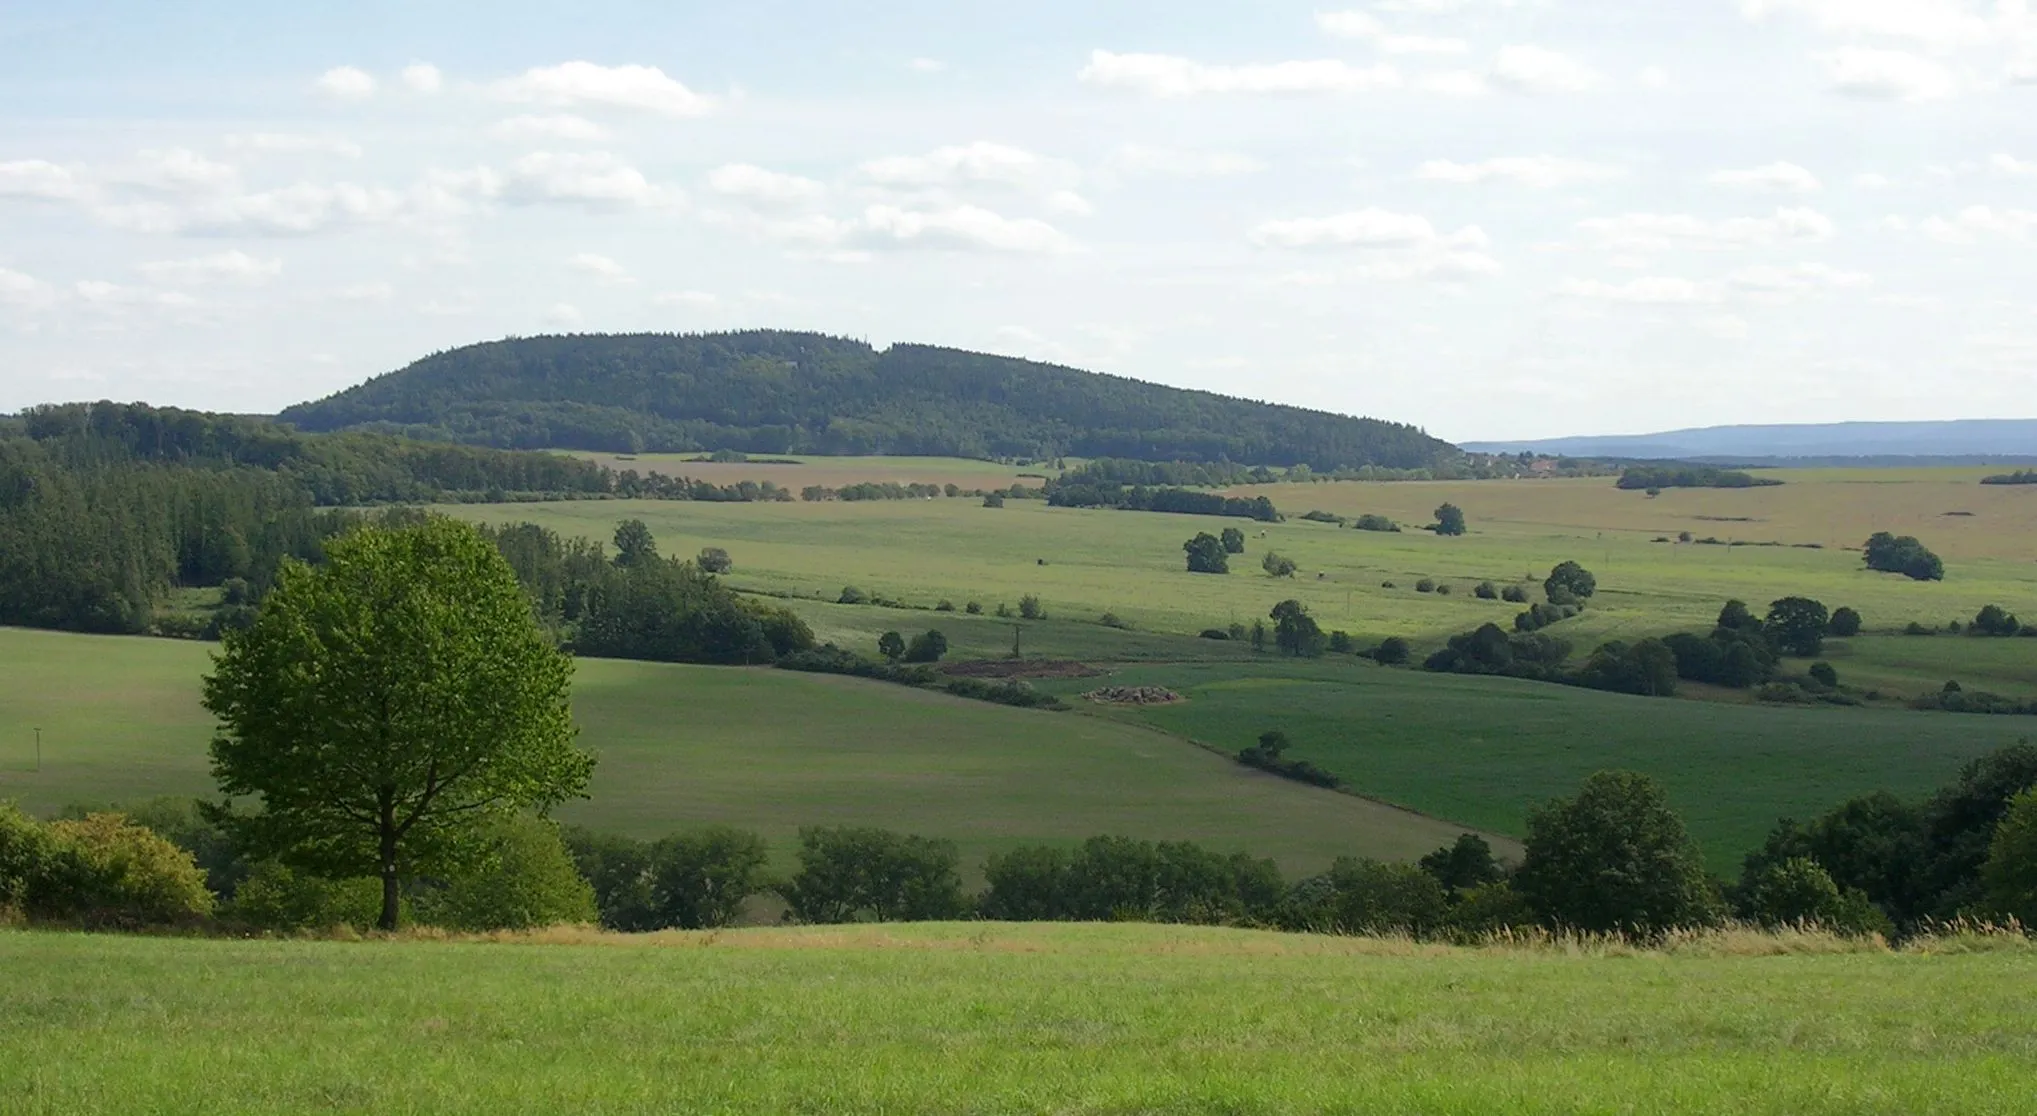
{"points": [[990, 1018], [767, 750]]}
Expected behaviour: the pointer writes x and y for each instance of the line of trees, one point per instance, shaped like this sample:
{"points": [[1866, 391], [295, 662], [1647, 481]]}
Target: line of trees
{"points": [[1887, 553], [1180, 501], [1652, 477], [1612, 859]]}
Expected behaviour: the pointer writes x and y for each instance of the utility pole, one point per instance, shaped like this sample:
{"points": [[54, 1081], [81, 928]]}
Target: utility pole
{"points": [[38, 751]]}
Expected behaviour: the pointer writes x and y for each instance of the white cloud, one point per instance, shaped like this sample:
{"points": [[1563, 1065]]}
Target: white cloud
{"points": [[1164, 75], [1069, 202], [221, 267], [926, 65], [764, 188], [1139, 160], [178, 171], [1453, 83], [1804, 277], [290, 143], [572, 84], [1939, 25], [1781, 178], [1542, 172], [1444, 266], [1361, 25], [957, 228], [24, 291], [37, 178], [99, 292], [1980, 222], [1645, 291], [1872, 181], [693, 300], [979, 163], [542, 126], [564, 314], [596, 180], [2012, 166], [422, 77], [601, 267], [1652, 232], [1365, 228], [1654, 77], [1886, 74], [1533, 69], [346, 83]]}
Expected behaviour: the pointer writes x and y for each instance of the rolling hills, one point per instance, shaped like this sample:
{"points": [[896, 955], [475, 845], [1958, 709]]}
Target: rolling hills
{"points": [[1990, 439], [781, 392]]}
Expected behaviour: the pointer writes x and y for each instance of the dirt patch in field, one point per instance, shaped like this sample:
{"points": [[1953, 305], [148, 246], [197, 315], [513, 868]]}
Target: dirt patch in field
{"points": [[1021, 668], [1134, 695]]}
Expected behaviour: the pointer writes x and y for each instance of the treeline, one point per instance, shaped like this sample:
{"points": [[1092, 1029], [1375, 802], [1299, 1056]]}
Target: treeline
{"points": [[776, 392], [1613, 859], [1181, 501], [1643, 477], [2020, 476]]}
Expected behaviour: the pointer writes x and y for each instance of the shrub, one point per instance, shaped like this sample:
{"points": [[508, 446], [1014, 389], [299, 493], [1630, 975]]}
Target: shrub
{"points": [[1796, 625], [1615, 859], [1206, 554], [2010, 871], [1443, 590], [891, 645], [928, 647], [973, 608], [1994, 620], [1003, 611], [1486, 591], [104, 870], [1215, 633], [852, 596], [1113, 620], [1392, 651], [945, 606], [1571, 578], [1449, 520], [1887, 553], [1276, 565], [1845, 623], [993, 500], [1425, 585], [1341, 643], [1514, 594], [277, 899], [1362, 896], [1387, 585], [1233, 540], [526, 880], [25, 860], [1465, 864], [1825, 675], [1375, 523], [1799, 892], [1031, 609], [1238, 632], [851, 874], [1917, 629], [715, 560]]}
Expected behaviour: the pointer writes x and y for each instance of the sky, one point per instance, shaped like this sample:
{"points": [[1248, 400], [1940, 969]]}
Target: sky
{"points": [[1491, 218]]}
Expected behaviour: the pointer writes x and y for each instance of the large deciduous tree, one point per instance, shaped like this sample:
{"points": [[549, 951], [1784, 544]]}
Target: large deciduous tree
{"points": [[389, 708], [1450, 520], [1796, 625], [1615, 859]]}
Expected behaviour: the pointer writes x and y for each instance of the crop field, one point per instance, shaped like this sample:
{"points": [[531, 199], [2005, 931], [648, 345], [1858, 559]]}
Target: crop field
{"points": [[767, 750], [1483, 751], [989, 1018], [831, 472], [1083, 563]]}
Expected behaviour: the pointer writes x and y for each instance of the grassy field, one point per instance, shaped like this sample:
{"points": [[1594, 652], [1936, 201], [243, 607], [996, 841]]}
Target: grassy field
{"points": [[1083, 563], [832, 472], [1484, 751], [1000, 1019], [768, 750]]}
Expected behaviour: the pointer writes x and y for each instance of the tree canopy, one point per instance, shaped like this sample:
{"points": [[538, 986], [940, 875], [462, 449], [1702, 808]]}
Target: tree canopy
{"points": [[387, 707], [781, 392], [1615, 859]]}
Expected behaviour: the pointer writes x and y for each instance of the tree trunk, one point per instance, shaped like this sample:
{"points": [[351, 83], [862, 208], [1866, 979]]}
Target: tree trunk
{"points": [[390, 894]]}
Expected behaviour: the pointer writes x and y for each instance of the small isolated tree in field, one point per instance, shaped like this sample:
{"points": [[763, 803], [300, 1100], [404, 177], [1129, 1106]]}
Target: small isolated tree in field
{"points": [[388, 708], [634, 545], [1845, 623], [715, 560], [1796, 625], [1233, 540], [1994, 620], [1571, 578], [891, 645], [1206, 554], [1450, 520], [1277, 566], [927, 647], [1615, 859], [1295, 631], [1030, 608]]}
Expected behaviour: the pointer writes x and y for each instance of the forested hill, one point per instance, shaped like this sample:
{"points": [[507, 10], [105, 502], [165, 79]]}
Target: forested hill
{"points": [[776, 392]]}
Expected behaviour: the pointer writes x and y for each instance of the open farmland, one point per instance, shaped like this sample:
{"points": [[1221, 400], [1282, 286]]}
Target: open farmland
{"points": [[988, 1018], [1083, 563], [767, 750], [794, 472]]}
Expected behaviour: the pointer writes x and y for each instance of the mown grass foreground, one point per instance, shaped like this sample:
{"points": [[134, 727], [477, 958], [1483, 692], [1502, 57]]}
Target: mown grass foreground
{"points": [[994, 1019]]}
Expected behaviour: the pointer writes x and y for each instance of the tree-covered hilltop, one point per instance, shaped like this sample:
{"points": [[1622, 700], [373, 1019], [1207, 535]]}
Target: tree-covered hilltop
{"points": [[777, 392]]}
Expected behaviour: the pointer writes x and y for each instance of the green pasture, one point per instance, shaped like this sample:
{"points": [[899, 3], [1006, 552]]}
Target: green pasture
{"points": [[1083, 563], [1483, 751], [768, 750], [991, 1018]]}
